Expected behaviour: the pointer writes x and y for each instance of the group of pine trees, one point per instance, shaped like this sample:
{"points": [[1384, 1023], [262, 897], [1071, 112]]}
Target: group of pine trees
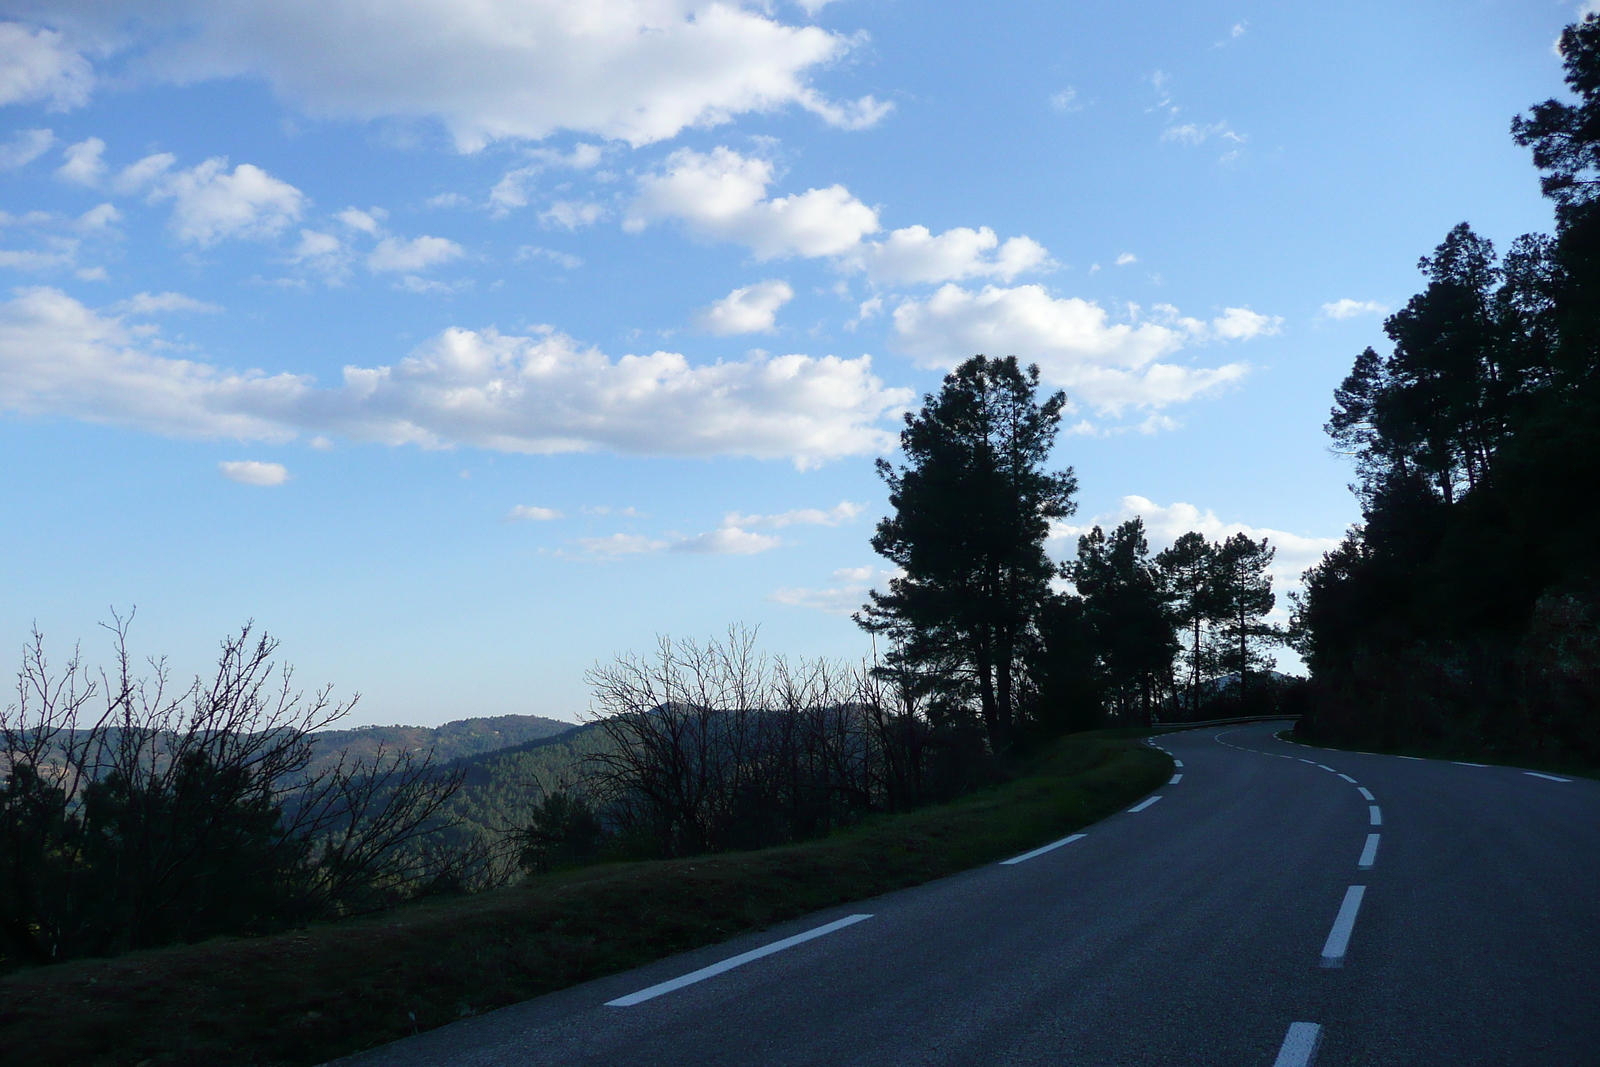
{"points": [[982, 624], [1463, 613]]}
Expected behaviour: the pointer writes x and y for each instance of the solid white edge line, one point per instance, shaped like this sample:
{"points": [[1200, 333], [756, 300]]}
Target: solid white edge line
{"points": [[1365, 792], [730, 963], [1347, 778], [1376, 814], [1042, 850], [1550, 777], [1417, 758], [1333, 949], [1459, 763], [1175, 779], [1369, 852], [1299, 1047], [1144, 804]]}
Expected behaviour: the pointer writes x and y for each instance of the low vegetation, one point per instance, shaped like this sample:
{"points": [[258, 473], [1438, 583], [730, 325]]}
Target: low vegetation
{"points": [[330, 989]]}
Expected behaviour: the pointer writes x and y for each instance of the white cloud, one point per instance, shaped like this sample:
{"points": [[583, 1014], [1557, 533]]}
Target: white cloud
{"points": [[211, 204], [1242, 324], [913, 254], [254, 472], [723, 196], [419, 253], [136, 176], [728, 541], [25, 147], [1126, 258], [1165, 524], [619, 544], [83, 164], [1066, 100], [315, 245], [1110, 365], [154, 303], [542, 393], [40, 65], [573, 214], [563, 259], [621, 69], [98, 217], [365, 221], [751, 309], [530, 513], [843, 512], [1194, 134], [844, 598], [1349, 309]]}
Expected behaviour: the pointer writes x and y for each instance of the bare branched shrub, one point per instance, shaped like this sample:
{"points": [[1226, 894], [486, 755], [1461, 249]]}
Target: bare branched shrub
{"points": [[715, 745], [134, 812]]}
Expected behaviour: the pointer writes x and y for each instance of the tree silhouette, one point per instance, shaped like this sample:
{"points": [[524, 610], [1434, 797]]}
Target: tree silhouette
{"points": [[972, 508]]}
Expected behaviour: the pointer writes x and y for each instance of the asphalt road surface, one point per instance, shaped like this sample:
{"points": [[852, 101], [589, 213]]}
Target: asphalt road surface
{"points": [[1276, 906]]}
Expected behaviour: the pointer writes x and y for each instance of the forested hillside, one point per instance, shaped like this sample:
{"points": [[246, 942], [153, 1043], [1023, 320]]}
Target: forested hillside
{"points": [[454, 740], [1464, 612]]}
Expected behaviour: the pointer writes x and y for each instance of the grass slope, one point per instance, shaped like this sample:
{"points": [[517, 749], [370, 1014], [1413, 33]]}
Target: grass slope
{"points": [[304, 997]]}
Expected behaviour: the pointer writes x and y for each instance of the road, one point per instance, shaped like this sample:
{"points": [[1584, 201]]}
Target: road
{"points": [[1201, 928]]}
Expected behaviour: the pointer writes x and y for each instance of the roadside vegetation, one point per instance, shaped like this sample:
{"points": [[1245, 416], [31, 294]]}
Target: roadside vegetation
{"points": [[333, 988], [1462, 616]]}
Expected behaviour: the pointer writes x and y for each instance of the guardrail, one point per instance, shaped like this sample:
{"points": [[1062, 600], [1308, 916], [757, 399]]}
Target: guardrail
{"points": [[1224, 722]]}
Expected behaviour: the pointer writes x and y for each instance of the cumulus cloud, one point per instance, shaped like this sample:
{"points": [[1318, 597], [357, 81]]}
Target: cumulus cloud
{"points": [[541, 393], [254, 472], [419, 253], [39, 64], [531, 513], [728, 541], [1166, 523], [914, 254], [619, 544], [1110, 365], [574, 214], [212, 204], [843, 598], [620, 69], [844, 511], [155, 303], [1349, 309], [24, 147], [722, 195], [750, 309], [1126, 258]]}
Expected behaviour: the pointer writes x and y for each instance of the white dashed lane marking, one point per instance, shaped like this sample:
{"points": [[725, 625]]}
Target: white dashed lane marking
{"points": [[1369, 853], [1299, 1047], [1144, 804], [1175, 779], [729, 964], [1051, 847], [1376, 815], [1347, 778], [1343, 926], [1365, 792]]}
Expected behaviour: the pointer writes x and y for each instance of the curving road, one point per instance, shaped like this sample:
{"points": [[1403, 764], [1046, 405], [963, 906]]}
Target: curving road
{"points": [[1273, 905]]}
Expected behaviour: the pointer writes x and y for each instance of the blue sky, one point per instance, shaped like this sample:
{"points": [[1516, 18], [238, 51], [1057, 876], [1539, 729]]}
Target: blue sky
{"points": [[468, 345]]}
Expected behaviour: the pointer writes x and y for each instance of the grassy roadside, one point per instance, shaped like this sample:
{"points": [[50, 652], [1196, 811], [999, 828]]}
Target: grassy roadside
{"points": [[307, 996], [1423, 752]]}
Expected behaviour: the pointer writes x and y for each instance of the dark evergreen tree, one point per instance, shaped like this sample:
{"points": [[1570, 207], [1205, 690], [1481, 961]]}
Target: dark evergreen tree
{"points": [[1127, 605], [972, 508], [1241, 596], [1187, 572]]}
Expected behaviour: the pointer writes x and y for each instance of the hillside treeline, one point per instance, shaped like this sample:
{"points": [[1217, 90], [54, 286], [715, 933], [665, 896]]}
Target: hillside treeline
{"points": [[1463, 613]]}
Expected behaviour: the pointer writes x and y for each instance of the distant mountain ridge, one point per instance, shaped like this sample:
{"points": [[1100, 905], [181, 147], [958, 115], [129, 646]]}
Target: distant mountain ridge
{"points": [[452, 741]]}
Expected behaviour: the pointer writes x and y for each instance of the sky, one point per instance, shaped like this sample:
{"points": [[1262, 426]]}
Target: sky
{"points": [[464, 346]]}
